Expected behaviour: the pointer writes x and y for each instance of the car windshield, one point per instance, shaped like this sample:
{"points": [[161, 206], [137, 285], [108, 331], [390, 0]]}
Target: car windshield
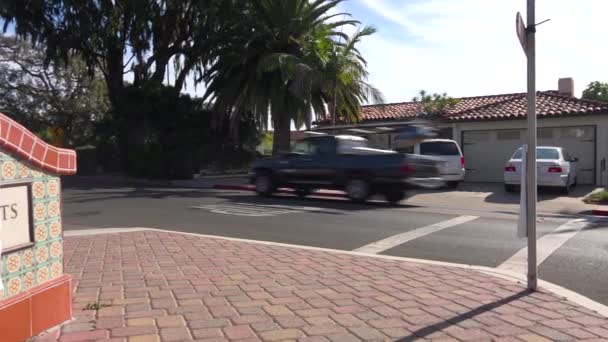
{"points": [[541, 153], [439, 148]]}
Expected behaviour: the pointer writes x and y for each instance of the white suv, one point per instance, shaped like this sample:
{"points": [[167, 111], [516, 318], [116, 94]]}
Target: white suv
{"points": [[452, 170]]}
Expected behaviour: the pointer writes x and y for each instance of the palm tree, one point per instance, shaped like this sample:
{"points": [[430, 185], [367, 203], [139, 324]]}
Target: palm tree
{"points": [[280, 64], [345, 85]]}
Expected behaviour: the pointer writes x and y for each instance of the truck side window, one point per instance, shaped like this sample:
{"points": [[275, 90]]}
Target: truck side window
{"points": [[305, 147]]}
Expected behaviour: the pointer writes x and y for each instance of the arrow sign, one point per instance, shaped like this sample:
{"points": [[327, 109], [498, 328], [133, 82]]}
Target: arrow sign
{"points": [[520, 28]]}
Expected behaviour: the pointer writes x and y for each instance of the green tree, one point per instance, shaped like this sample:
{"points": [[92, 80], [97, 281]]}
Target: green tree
{"points": [[288, 65], [432, 105], [41, 97], [145, 37], [596, 91], [344, 76], [142, 37]]}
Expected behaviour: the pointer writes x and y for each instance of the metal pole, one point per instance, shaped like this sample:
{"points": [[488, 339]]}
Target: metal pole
{"points": [[531, 161]]}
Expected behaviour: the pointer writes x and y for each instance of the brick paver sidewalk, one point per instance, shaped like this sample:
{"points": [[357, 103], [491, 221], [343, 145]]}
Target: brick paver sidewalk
{"points": [[151, 286]]}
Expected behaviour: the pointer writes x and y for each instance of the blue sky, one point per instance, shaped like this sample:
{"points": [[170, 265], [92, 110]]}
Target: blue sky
{"points": [[469, 47]]}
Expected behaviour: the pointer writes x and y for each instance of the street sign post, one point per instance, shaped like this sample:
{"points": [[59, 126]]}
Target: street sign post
{"points": [[523, 208], [526, 36]]}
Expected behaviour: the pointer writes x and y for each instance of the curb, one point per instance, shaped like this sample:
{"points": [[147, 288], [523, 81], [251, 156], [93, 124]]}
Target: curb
{"points": [[557, 290], [281, 191]]}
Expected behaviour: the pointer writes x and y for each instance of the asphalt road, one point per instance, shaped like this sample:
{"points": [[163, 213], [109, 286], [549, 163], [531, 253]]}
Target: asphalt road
{"points": [[484, 238]]}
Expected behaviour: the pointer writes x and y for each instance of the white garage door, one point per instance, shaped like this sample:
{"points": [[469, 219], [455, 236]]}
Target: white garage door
{"points": [[486, 152]]}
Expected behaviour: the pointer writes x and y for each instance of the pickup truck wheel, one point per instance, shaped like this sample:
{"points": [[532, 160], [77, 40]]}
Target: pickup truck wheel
{"points": [[358, 190], [394, 197], [263, 184]]}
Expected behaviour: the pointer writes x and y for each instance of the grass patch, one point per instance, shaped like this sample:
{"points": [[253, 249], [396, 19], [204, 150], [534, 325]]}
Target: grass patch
{"points": [[600, 197], [95, 306]]}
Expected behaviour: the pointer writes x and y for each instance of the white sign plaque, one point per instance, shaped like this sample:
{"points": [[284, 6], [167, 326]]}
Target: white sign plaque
{"points": [[15, 216]]}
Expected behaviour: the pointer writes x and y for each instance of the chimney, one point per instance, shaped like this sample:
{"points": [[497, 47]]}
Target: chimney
{"points": [[565, 86]]}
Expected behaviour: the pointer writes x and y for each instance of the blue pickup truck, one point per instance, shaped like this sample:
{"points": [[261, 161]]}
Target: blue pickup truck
{"points": [[344, 162]]}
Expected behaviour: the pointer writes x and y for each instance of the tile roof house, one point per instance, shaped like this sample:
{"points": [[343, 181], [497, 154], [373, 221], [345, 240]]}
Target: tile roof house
{"points": [[489, 128]]}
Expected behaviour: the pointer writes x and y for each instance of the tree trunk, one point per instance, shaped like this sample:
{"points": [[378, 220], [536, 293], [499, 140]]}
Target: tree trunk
{"points": [[115, 76], [282, 128], [160, 68]]}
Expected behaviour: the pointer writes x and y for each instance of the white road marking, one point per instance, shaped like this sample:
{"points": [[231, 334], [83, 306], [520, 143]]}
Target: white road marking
{"points": [[545, 246], [257, 210], [395, 240]]}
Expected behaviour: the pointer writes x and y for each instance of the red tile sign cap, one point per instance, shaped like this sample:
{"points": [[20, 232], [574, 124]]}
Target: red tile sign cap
{"points": [[22, 143]]}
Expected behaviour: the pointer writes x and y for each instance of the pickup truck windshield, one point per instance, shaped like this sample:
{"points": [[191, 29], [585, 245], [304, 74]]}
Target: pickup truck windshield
{"points": [[347, 146]]}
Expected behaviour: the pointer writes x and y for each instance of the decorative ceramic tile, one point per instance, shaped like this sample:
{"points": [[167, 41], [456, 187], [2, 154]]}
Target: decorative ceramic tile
{"points": [[40, 233], [42, 254], [56, 269], [13, 263], [28, 258], [55, 229], [14, 286], [24, 172], [9, 170], [38, 190], [43, 274], [28, 280], [56, 249], [39, 211], [36, 173], [52, 187], [53, 209]]}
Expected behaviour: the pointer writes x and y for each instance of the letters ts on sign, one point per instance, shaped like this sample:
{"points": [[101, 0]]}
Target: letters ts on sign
{"points": [[15, 216], [520, 28]]}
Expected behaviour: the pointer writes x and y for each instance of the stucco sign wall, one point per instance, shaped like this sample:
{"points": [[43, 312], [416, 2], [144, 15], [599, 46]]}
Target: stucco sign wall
{"points": [[35, 294]]}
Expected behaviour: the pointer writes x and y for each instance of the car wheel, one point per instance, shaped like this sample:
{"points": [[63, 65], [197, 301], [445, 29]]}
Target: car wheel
{"points": [[302, 193], [394, 197], [453, 184], [509, 188], [264, 184], [358, 190]]}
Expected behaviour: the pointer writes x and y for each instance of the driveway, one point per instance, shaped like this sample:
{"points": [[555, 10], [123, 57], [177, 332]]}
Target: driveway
{"points": [[492, 197]]}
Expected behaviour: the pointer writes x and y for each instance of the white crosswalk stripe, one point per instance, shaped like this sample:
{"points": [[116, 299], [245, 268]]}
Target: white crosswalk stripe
{"points": [[257, 210], [545, 246], [395, 240]]}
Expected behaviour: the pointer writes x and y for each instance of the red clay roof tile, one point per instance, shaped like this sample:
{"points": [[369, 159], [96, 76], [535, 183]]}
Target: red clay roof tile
{"points": [[491, 107]]}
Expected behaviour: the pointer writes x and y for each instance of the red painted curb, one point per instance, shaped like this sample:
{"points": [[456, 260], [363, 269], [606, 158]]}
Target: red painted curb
{"points": [[598, 212], [282, 191]]}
